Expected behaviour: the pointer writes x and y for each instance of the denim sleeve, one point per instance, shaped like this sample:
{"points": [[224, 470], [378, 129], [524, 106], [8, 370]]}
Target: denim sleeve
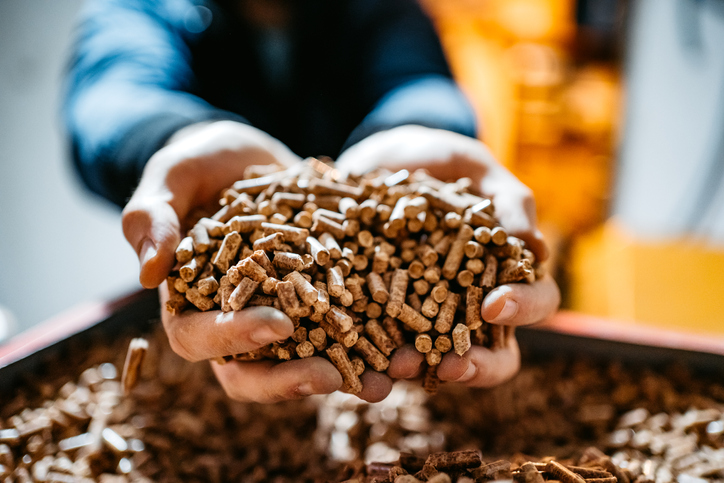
{"points": [[431, 101], [406, 76], [129, 88]]}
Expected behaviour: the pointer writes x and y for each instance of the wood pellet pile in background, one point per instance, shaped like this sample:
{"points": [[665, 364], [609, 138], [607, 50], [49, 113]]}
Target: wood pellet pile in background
{"points": [[177, 425], [361, 266]]}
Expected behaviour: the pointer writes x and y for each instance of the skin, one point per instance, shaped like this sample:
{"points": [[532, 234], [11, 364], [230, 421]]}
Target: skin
{"points": [[200, 161], [446, 155]]}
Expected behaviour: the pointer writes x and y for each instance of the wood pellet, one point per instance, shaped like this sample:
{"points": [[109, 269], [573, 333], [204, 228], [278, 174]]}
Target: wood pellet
{"points": [[558, 420], [402, 246]]}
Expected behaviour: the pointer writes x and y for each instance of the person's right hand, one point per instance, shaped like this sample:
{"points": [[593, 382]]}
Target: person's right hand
{"points": [[190, 171]]}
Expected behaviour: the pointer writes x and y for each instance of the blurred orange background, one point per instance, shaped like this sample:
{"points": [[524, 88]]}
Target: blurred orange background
{"points": [[551, 108]]}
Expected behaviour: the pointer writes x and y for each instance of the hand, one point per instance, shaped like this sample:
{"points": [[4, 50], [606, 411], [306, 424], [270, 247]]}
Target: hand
{"points": [[190, 172], [447, 155], [197, 336]]}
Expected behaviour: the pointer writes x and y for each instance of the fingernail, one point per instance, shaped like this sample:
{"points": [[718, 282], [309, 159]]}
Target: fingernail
{"points": [[469, 373], [509, 310], [305, 389], [265, 335], [148, 251]]}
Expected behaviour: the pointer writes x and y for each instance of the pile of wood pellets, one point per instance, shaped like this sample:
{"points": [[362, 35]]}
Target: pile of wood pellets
{"points": [[74, 424], [466, 466], [361, 266]]}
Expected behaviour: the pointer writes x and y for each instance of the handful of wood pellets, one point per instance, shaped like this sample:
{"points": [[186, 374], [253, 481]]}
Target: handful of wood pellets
{"points": [[362, 265]]}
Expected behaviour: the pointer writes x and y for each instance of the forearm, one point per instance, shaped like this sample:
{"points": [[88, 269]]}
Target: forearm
{"points": [[129, 87], [114, 130]]}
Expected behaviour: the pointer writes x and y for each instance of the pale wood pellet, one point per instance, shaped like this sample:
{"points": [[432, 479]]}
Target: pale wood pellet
{"points": [[372, 262]]}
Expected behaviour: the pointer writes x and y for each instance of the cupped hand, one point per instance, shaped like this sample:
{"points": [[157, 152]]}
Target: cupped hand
{"points": [[189, 172], [197, 336], [449, 156]]}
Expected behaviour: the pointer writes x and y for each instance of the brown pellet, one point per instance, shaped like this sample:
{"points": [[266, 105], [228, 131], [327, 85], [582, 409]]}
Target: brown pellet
{"points": [[473, 249], [514, 271], [498, 235], [489, 278], [461, 339], [373, 309], [421, 287], [457, 252], [482, 235], [446, 315], [431, 382], [201, 302], [562, 473], [423, 343], [476, 265], [358, 364], [473, 304], [318, 251], [190, 270], [322, 304], [305, 290], [200, 238], [287, 261], [398, 289], [291, 234], [371, 354], [443, 343], [245, 224], [454, 460], [377, 288], [242, 293], [415, 320], [323, 224], [392, 328], [305, 349], [249, 268], [318, 337], [208, 285], [339, 358], [434, 357], [185, 250], [303, 219], [134, 360], [379, 337], [430, 308], [330, 243], [339, 319], [380, 262], [288, 298], [465, 278], [269, 243], [347, 339], [416, 269]]}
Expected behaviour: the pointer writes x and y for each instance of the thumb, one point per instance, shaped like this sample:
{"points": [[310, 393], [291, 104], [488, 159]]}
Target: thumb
{"points": [[152, 228]]}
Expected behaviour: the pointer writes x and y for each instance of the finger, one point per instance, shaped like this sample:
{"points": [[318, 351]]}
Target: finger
{"points": [[151, 226], [271, 381], [196, 336], [406, 363], [522, 303], [480, 366], [375, 386]]}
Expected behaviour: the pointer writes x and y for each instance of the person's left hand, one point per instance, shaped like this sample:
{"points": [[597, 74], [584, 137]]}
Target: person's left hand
{"points": [[448, 156]]}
